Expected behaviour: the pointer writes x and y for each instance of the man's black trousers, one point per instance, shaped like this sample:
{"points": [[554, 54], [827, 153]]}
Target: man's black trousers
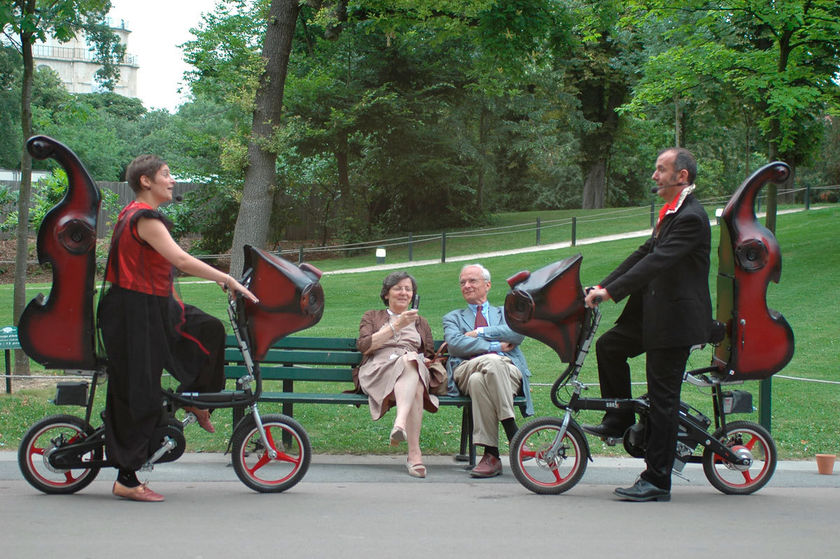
{"points": [[664, 370]]}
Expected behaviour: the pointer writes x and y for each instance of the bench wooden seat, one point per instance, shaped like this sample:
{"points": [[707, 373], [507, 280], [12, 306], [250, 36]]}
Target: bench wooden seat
{"points": [[326, 360]]}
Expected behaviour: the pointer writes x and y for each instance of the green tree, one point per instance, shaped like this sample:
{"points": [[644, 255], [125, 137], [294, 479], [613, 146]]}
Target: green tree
{"points": [[253, 220], [9, 106], [779, 59], [604, 66]]}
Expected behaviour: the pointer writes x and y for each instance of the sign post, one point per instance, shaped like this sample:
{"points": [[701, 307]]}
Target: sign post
{"points": [[8, 342]]}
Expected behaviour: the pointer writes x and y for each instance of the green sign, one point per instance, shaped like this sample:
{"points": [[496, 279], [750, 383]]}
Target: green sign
{"points": [[9, 338]]}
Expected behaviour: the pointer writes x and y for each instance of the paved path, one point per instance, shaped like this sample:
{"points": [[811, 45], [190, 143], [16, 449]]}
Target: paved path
{"points": [[367, 507]]}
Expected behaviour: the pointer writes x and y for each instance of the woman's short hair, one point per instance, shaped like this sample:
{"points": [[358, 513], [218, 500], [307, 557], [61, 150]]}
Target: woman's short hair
{"points": [[146, 165], [393, 279]]}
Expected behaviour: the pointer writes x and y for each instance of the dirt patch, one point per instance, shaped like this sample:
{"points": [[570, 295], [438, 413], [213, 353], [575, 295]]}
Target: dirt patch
{"points": [[34, 271], [33, 382]]}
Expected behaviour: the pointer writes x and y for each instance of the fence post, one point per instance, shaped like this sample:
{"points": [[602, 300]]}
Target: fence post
{"points": [[808, 197], [300, 255], [652, 213], [410, 247], [765, 406], [574, 230], [538, 230], [8, 353], [443, 247]]}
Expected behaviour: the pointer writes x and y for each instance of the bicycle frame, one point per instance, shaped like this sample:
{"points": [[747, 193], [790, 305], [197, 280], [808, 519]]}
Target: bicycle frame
{"points": [[242, 396], [693, 429]]}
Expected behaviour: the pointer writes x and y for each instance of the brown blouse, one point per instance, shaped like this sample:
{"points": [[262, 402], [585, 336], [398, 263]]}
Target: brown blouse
{"points": [[372, 321]]}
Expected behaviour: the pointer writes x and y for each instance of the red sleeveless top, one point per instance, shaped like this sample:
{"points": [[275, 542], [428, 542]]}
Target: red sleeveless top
{"points": [[132, 263]]}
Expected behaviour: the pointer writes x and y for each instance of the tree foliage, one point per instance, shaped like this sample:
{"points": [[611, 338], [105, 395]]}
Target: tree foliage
{"points": [[409, 115], [778, 59]]}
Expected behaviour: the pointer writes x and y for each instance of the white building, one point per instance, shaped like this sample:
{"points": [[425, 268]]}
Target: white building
{"points": [[74, 63]]}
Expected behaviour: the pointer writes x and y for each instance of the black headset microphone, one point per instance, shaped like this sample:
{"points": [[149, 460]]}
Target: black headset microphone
{"points": [[178, 198], [657, 188]]}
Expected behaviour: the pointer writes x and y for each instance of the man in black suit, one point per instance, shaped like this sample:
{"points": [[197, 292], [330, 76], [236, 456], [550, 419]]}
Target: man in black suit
{"points": [[669, 310]]}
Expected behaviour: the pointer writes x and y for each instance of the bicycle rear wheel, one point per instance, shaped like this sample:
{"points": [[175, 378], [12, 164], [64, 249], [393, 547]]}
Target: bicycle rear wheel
{"points": [[44, 438], [748, 440]]}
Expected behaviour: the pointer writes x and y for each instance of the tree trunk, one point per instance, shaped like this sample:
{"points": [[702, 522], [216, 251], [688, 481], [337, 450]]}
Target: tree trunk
{"points": [[595, 187], [482, 157], [773, 154], [24, 194], [342, 163], [677, 121], [252, 223]]}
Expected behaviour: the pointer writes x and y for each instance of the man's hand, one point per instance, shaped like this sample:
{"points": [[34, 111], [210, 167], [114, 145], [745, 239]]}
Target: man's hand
{"points": [[507, 347], [472, 333], [595, 296]]}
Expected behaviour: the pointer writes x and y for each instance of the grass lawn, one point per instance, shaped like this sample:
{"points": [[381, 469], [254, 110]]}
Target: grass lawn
{"points": [[804, 414]]}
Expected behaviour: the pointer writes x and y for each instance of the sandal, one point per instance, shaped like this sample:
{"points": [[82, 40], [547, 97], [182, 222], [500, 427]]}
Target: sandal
{"points": [[397, 435], [415, 470]]}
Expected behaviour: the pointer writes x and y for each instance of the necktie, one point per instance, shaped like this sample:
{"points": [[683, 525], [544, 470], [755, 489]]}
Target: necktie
{"points": [[479, 317]]}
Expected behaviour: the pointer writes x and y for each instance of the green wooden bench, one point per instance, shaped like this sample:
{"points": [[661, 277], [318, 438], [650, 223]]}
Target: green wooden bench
{"points": [[326, 360]]}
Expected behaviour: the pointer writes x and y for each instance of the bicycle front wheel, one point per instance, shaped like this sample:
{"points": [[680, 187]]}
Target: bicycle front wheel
{"points": [[252, 456], [543, 460]]}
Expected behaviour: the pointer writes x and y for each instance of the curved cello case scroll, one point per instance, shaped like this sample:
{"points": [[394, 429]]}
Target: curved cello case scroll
{"points": [[58, 331], [547, 305], [759, 341], [291, 298]]}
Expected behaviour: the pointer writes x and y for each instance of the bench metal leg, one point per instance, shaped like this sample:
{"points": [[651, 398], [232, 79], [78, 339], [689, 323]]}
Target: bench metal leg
{"points": [[467, 449], [288, 408], [238, 413]]}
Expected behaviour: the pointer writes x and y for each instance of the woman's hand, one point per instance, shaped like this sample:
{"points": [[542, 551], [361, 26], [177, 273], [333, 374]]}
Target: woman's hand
{"points": [[230, 283], [405, 319]]}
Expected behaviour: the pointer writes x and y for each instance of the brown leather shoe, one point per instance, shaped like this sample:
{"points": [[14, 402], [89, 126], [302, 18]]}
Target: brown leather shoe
{"points": [[488, 466], [139, 493], [203, 417]]}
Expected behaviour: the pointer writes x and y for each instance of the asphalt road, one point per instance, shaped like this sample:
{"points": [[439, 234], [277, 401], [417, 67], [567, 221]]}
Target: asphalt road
{"points": [[367, 506]]}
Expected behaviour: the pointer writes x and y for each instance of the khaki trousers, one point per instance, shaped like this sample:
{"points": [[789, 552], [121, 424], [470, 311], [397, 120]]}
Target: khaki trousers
{"points": [[491, 381]]}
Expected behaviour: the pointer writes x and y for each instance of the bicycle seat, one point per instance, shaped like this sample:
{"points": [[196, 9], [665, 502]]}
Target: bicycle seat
{"points": [[547, 305]]}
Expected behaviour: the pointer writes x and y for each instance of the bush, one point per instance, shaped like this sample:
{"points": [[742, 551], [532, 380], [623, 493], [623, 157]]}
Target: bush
{"points": [[46, 194]]}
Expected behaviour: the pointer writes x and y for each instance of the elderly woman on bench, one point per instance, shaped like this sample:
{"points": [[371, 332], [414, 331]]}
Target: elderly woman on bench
{"points": [[397, 346]]}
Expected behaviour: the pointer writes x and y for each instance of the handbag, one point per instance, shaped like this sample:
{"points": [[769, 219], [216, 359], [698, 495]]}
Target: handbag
{"points": [[438, 377]]}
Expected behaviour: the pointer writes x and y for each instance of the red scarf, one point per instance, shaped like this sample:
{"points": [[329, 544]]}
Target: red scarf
{"points": [[672, 205]]}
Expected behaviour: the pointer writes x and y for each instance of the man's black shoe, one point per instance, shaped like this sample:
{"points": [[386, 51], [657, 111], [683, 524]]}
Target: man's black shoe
{"points": [[643, 491], [605, 430]]}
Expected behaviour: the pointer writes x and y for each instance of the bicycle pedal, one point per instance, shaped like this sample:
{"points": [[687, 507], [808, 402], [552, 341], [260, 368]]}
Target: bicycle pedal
{"points": [[680, 475], [612, 441]]}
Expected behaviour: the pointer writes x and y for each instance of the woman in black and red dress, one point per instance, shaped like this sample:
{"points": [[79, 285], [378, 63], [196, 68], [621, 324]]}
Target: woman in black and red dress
{"points": [[146, 328]]}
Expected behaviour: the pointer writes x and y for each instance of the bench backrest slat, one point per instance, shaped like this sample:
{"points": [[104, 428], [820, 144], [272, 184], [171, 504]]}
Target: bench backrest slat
{"points": [[312, 343], [288, 356], [308, 342], [344, 374]]}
